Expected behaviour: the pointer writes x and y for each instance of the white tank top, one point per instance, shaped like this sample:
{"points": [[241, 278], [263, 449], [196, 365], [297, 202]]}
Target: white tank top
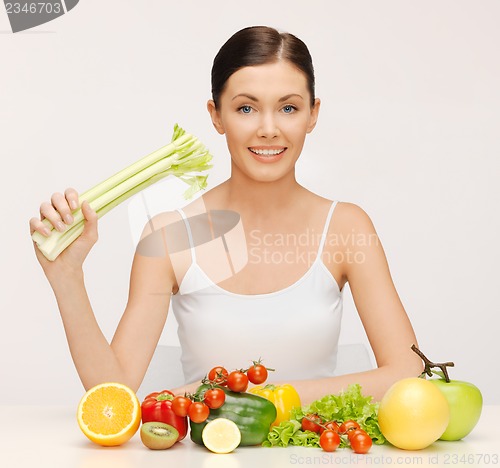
{"points": [[294, 330]]}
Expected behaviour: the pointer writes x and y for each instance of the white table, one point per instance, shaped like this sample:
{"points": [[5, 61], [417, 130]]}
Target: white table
{"points": [[41, 436]]}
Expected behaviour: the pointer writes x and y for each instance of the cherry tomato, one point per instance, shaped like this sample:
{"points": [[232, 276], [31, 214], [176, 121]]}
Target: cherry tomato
{"points": [[257, 374], [331, 425], [329, 440], [309, 423], [180, 406], [214, 398], [347, 426], [198, 412], [353, 431], [218, 375], [237, 381], [360, 441]]}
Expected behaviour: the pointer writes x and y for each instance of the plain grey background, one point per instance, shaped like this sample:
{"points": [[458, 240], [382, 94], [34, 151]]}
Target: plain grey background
{"points": [[408, 130]]}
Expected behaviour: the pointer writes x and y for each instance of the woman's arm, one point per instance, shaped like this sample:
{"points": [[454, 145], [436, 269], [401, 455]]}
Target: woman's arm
{"points": [[126, 359], [140, 328], [383, 316]]}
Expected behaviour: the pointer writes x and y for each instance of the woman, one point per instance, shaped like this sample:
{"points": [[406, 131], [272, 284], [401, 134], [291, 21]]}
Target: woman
{"points": [[284, 306]]}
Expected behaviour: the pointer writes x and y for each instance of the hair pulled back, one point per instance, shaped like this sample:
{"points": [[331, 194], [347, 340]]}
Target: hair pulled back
{"points": [[259, 45]]}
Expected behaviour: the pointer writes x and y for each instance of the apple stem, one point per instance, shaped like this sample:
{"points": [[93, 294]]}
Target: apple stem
{"points": [[429, 365]]}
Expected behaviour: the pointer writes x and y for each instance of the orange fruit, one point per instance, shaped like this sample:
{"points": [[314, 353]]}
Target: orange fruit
{"points": [[109, 414]]}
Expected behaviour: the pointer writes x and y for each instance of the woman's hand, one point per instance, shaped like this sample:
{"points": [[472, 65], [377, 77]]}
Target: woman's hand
{"points": [[59, 213]]}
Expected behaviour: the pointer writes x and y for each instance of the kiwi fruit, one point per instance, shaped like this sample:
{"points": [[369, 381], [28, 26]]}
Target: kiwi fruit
{"points": [[158, 435]]}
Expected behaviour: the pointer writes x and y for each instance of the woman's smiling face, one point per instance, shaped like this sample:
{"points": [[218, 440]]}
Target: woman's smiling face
{"points": [[265, 112]]}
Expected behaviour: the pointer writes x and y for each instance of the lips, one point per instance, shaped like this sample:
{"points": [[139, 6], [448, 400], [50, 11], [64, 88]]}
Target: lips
{"points": [[267, 154], [267, 151]]}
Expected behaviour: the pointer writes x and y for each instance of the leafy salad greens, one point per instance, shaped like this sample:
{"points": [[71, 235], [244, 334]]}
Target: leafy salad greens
{"points": [[350, 404]]}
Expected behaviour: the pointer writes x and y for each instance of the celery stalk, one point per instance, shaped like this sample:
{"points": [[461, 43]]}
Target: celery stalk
{"points": [[183, 157]]}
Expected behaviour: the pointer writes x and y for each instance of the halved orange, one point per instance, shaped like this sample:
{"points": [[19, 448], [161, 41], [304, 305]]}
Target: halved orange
{"points": [[109, 414]]}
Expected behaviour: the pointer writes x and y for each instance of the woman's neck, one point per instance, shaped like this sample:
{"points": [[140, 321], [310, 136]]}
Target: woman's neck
{"points": [[261, 198]]}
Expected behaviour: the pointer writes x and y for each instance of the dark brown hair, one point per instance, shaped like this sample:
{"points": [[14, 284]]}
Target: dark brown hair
{"points": [[259, 45]]}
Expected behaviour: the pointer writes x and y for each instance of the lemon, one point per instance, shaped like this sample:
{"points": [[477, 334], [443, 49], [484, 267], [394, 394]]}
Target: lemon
{"points": [[221, 435], [412, 415]]}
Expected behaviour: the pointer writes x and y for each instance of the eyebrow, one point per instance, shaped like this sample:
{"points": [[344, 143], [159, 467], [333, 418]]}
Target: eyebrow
{"points": [[253, 98]]}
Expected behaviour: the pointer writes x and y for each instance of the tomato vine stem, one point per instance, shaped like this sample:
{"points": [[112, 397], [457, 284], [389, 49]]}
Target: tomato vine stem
{"points": [[256, 363], [429, 365]]}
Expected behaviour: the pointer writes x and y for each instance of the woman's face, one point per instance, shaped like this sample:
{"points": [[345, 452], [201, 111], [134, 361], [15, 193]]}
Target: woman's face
{"points": [[265, 112]]}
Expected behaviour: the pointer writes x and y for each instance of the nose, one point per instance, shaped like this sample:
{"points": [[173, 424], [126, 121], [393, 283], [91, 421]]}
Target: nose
{"points": [[268, 127]]}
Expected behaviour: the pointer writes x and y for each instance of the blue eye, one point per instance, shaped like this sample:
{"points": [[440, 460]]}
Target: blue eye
{"points": [[245, 109], [288, 109]]}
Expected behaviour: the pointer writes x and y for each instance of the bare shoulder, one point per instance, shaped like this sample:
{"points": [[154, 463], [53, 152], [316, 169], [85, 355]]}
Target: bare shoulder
{"points": [[351, 236], [171, 220], [160, 221], [349, 217]]}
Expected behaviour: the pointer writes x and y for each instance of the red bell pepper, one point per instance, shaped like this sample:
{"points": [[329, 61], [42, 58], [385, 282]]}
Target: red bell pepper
{"points": [[157, 407]]}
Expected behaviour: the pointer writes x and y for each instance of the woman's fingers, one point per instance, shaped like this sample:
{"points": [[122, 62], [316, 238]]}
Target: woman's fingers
{"points": [[50, 212], [37, 225], [90, 225], [58, 212], [61, 205], [72, 198]]}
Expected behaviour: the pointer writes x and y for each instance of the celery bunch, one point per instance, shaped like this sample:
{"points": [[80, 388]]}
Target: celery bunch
{"points": [[184, 157]]}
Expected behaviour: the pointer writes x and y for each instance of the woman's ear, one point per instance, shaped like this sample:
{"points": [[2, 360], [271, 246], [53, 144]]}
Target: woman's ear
{"points": [[314, 115], [215, 116]]}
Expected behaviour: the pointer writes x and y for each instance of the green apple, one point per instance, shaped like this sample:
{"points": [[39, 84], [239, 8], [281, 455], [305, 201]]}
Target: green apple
{"points": [[465, 401]]}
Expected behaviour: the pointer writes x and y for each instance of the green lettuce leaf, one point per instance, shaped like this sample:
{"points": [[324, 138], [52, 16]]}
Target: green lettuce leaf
{"points": [[290, 433], [350, 404]]}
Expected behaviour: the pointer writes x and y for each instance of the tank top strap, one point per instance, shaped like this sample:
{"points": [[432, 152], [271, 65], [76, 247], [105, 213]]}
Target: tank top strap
{"points": [[189, 233], [325, 228]]}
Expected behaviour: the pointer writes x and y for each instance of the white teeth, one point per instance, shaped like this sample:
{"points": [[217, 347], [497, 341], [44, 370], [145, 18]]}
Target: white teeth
{"points": [[267, 152]]}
